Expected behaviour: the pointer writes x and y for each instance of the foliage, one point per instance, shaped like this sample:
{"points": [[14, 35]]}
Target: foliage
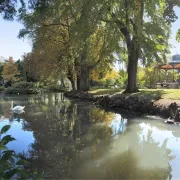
{"points": [[33, 88], [10, 71], [20, 65], [104, 76], [12, 90], [2, 88], [123, 78], [19, 88], [67, 46], [7, 9], [11, 165], [25, 85], [74, 37], [178, 35], [31, 67], [1, 70], [24, 88], [148, 77]]}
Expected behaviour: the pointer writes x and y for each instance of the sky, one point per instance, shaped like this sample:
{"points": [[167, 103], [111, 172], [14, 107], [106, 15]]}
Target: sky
{"points": [[10, 45]]}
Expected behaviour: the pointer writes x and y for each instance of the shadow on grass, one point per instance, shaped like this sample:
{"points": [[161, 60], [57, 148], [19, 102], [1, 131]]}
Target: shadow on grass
{"points": [[106, 91], [153, 94], [173, 94]]}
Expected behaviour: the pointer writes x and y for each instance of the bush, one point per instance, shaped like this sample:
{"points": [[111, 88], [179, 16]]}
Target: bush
{"points": [[23, 88], [12, 90], [32, 88], [25, 85], [2, 88]]}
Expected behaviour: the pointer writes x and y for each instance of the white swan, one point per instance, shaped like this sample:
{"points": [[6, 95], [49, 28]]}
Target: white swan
{"points": [[16, 108]]}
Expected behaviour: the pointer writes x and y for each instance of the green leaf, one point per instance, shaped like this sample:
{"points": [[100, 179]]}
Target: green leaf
{"points": [[3, 148], [11, 173], [22, 162], [7, 155], [7, 139], [5, 129]]}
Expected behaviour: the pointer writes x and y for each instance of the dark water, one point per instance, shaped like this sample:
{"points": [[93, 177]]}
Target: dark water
{"points": [[73, 139]]}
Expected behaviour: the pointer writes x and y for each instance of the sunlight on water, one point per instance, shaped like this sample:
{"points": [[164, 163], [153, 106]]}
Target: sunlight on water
{"points": [[71, 139]]}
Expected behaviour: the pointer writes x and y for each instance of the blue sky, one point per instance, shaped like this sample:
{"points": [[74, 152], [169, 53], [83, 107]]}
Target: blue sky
{"points": [[10, 45]]}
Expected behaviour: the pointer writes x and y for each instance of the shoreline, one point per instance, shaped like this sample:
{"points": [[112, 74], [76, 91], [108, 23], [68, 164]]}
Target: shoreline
{"points": [[140, 105]]}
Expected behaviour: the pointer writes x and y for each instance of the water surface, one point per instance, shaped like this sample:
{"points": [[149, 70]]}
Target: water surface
{"points": [[72, 139]]}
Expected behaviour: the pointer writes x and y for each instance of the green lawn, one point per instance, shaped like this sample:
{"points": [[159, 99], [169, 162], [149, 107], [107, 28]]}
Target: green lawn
{"points": [[154, 93]]}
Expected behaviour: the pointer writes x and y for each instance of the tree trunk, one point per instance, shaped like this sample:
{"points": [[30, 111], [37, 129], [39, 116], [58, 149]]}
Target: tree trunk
{"points": [[84, 78], [78, 81], [133, 54], [73, 83]]}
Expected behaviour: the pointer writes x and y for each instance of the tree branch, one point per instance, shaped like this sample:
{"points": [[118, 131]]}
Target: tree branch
{"points": [[56, 24]]}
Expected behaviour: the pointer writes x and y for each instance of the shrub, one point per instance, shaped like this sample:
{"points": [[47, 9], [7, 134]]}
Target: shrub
{"points": [[2, 88], [23, 88], [12, 90], [25, 85]]}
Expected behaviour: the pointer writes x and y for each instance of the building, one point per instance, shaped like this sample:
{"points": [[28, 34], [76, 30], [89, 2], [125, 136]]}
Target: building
{"points": [[175, 59]]}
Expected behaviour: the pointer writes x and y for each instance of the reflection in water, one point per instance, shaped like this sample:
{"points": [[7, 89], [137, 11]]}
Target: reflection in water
{"points": [[118, 124], [69, 139]]}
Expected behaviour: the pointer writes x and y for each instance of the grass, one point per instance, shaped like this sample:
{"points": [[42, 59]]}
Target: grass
{"points": [[106, 91], [153, 93]]}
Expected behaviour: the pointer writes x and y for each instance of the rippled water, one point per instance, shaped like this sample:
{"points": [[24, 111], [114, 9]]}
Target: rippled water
{"points": [[71, 139]]}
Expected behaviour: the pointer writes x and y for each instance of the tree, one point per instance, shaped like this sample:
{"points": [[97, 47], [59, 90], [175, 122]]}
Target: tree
{"points": [[20, 65], [10, 71], [72, 40], [107, 77], [1, 70], [139, 28], [145, 31], [178, 35], [8, 8]]}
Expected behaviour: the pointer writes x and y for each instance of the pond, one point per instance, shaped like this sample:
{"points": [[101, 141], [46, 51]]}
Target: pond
{"points": [[66, 138]]}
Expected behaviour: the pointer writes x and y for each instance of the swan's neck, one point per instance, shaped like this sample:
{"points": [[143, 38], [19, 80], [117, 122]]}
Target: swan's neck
{"points": [[11, 104]]}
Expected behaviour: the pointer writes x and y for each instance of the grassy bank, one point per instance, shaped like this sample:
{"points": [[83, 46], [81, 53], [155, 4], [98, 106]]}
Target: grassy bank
{"points": [[173, 94]]}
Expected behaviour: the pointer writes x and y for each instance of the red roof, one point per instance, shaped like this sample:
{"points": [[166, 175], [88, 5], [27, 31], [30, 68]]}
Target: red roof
{"points": [[166, 66], [177, 66]]}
